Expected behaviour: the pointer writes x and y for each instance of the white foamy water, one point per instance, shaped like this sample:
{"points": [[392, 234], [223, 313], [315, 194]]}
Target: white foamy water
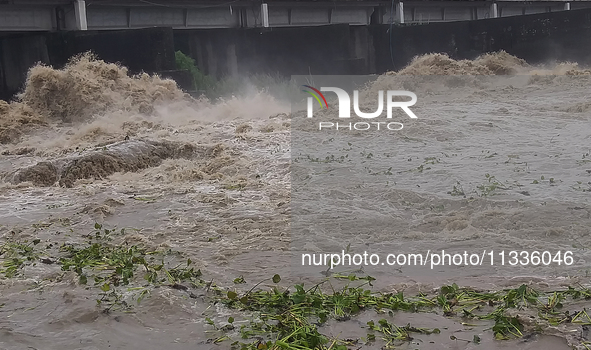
{"points": [[213, 181]]}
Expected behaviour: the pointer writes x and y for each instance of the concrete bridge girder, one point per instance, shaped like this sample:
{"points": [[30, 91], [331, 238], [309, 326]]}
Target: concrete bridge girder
{"points": [[98, 15]]}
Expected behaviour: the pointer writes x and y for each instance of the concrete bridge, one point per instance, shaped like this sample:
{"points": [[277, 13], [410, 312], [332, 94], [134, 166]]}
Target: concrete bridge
{"points": [[56, 15]]}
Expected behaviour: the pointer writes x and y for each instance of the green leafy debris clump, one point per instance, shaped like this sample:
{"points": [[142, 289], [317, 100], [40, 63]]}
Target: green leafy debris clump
{"points": [[292, 318]]}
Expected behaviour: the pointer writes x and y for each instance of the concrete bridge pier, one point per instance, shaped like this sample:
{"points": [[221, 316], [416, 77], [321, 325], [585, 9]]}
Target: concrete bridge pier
{"points": [[494, 10], [265, 14], [80, 13]]}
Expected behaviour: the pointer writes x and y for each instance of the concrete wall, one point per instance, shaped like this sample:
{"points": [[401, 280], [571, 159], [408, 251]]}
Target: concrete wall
{"points": [[577, 5], [27, 17], [150, 50], [563, 36], [343, 49], [335, 49], [17, 54]]}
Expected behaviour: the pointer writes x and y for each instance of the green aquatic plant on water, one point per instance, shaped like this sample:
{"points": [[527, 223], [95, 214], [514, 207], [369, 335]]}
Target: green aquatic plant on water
{"points": [[289, 318]]}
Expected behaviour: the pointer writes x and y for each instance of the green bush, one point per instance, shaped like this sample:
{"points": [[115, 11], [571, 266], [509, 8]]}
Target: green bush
{"points": [[200, 80], [242, 85]]}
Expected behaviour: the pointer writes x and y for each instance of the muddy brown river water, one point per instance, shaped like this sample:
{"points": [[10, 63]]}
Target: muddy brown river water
{"points": [[213, 182]]}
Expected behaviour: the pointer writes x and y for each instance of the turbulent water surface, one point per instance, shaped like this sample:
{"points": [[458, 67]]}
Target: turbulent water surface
{"points": [[89, 144]]}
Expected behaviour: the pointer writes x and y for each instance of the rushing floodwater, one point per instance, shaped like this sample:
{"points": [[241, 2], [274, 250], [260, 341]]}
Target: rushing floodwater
{"points": [[213, 181]]}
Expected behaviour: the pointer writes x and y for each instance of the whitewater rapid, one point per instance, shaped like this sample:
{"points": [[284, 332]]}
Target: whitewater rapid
{"points": [[213, 180]]}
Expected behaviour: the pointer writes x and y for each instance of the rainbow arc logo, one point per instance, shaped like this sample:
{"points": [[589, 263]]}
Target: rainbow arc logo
{"points": [[344, 105], [317, 95]]}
